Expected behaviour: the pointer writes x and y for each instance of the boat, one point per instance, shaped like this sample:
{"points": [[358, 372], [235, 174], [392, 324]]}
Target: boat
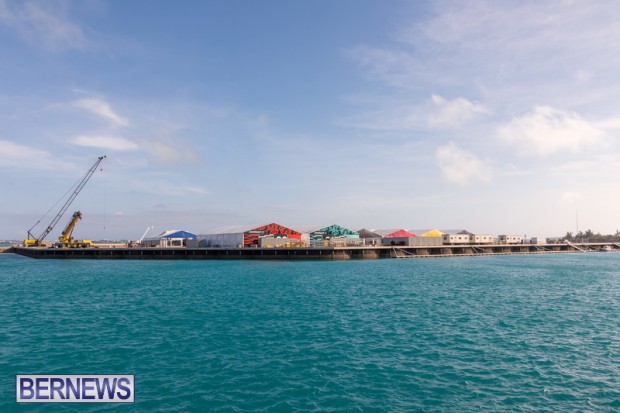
{"points": [[606, 248]]}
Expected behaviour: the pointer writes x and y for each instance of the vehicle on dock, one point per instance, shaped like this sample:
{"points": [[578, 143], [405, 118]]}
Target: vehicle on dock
{"points": [[66, 240]]}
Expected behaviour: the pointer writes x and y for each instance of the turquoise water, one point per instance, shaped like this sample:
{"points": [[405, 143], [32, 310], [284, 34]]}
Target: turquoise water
{"points": [[505, 333]]}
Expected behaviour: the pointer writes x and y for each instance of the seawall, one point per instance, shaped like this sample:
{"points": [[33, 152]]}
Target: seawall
{"points": [[324, 253]]}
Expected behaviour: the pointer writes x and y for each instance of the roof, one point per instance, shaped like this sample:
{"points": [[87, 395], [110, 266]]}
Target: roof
{"points": [[432, 233], [240, 229], [364, 233], [401, 233], [331, 229], [235, 229], [384, 232], [175, 233], [460, 231], [307, 229]]}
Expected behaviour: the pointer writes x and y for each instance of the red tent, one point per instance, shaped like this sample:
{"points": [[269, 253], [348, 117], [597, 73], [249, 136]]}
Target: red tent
{"points": [[401, 233]]}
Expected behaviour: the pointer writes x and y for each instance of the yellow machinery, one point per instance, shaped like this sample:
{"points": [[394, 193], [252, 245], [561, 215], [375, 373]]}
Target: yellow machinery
{"points": [[67, 241]]}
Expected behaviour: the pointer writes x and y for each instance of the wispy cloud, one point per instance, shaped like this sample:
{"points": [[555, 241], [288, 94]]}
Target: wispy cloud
{"points": [[510, 55], [162, 188], [597, 167], [460, 166], [435, 113], [547, 131], [161, 152], [570, 197], [490, 41], [113, 143], [452, 113], [44, 24], [13, 155], [102, 109]]}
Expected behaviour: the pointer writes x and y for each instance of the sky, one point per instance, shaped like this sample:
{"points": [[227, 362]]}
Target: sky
{"points": [[499, 117]]}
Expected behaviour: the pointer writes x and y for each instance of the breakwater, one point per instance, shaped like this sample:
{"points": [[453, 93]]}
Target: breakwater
{"points": [[323, 253]]}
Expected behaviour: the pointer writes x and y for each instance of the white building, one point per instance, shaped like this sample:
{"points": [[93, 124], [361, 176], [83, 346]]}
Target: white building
{"points": [[173, 238], [510, 239], [481, 239], [455, 239]]}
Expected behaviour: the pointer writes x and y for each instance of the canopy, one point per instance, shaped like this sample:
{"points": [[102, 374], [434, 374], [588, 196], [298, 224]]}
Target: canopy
{"points": [[401, 233], [432, 233], [364, 233]]}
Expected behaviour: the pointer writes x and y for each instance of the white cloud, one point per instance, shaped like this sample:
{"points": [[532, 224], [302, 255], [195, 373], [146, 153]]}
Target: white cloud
{"points": [[163, 153], [460, 166], [14, 155], [113, 143], [453, 113], [435, 113], [44, 24], [570, 197], [167, 189], [511, 54], [601, 166], [611, 123], [547, 131], [102, 109]]}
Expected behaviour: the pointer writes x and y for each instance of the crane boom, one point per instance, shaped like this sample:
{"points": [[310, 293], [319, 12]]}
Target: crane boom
{"points": [[144, 235], [71, 198], [66, 234]]}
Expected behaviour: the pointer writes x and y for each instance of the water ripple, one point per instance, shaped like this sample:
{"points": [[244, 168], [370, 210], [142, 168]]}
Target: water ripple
{"points": [[526, 333]]}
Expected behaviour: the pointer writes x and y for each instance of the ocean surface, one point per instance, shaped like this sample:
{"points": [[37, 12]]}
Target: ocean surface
{"points": [[503, 333]]}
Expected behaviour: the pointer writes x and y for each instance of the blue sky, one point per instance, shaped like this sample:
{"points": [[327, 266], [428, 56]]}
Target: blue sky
{"points": [[494, 116]]}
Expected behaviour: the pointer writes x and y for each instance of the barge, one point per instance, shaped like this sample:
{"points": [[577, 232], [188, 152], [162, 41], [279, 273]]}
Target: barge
{"points": [[314, 253]]}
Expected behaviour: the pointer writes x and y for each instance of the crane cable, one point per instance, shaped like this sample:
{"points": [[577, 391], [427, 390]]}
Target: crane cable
{"points": [[55, 204], [104, 199]]}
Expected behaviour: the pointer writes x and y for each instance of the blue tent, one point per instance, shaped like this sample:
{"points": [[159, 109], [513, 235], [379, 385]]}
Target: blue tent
{"points": [[176, 234]]}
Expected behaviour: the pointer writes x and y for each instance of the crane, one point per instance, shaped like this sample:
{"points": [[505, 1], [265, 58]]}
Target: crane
{"points": [[67, 241], [35, 242], [144, 235]]}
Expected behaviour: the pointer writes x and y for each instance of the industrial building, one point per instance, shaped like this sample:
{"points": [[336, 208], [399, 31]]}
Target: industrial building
{"points": [[510, 239], [333, 235], [247, 236], [431, 233], [399, 237], [456, 237], [369, 237], [172, 238]]}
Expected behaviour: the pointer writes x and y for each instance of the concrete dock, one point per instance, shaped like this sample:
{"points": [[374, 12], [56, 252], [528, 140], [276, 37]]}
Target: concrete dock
{"points": [[323, 253]]}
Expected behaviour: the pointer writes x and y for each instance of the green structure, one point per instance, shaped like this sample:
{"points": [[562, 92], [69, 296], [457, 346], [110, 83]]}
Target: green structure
{"points": [[318, 235]]}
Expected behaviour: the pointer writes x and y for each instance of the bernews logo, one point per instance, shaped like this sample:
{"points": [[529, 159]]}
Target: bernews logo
{"points": [[74, 388]]}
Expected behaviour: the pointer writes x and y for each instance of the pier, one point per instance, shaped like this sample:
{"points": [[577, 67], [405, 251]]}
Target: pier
{"points": [[322, 253]]}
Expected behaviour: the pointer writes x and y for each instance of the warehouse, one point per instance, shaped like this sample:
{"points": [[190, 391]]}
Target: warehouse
{"points": [[369, 237], [246, 236], [333, 235], [399, 237], [173, 238], [427, 238]]}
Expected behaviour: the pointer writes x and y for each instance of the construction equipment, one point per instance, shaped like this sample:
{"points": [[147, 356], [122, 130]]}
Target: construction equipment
{"points": [[139, 242], [144, 235], [38, 241], [67, 241]]}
